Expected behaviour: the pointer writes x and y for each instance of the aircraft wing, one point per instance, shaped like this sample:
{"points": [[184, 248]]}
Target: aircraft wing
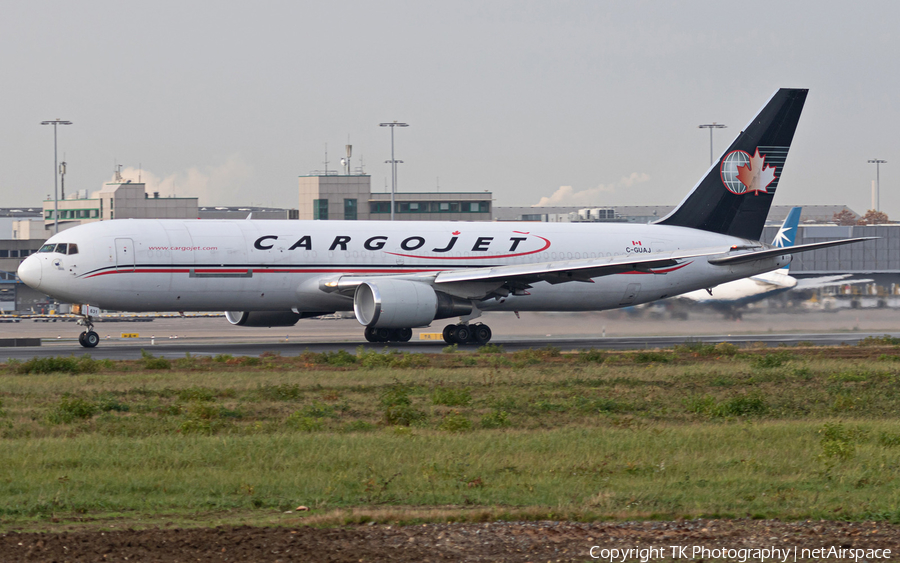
{"points": [[758, 254], [574, 270]]}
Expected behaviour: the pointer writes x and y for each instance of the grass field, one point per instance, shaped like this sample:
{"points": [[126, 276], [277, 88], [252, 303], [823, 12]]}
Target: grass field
{"points": [[696, 431]]}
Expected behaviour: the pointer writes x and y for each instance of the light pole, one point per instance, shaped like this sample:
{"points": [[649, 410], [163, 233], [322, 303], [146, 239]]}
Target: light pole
{"points": [[62, 179], [877, 162], [393, 161], [393, 164], [711, 126], [55, 122]]}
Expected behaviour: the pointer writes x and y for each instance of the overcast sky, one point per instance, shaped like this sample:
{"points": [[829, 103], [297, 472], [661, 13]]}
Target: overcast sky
{"points": [[582, 103]]}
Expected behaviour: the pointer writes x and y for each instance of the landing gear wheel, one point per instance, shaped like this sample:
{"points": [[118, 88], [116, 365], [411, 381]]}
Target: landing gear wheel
{"points": [[81, 338], [481, 334], [383, 334], [89, 339], [463, 333], [449, 334], [369, 333], [404, 334]]}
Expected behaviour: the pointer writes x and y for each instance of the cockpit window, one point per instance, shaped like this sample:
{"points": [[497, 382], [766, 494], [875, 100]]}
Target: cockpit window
{"points": [[62, 248]]}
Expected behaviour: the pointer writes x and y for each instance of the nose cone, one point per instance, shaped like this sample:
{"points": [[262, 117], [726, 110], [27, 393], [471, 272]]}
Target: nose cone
{"points": [[30, 272]]}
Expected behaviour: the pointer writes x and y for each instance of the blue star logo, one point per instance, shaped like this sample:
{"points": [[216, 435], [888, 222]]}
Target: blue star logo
{"points": [[781, 237]]}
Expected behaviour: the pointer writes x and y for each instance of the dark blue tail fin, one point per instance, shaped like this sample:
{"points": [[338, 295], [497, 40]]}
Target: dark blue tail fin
{"points": [[735, 195]]}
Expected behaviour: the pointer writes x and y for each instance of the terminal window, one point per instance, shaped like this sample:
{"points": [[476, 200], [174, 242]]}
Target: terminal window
{"points": [[349, 210], [320, 209]]}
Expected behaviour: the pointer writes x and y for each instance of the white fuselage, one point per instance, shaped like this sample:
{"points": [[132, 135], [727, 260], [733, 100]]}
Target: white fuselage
{"points": [[746, 290], [178, 265]]}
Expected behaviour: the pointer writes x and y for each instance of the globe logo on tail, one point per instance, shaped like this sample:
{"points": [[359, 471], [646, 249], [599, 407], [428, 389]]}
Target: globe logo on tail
{"points": [[742, 173]]}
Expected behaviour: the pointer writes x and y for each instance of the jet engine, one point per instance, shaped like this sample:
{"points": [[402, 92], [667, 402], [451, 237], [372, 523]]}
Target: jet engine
{"points": [[264, 318], [393, 303]]}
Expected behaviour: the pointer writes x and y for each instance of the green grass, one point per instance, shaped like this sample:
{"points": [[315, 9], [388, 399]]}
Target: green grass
{"points": [[773, 469], [695, 431]]}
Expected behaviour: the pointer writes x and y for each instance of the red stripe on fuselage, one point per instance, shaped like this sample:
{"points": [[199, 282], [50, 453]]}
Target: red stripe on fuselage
{"points": [[665, 271], [263, 271]]}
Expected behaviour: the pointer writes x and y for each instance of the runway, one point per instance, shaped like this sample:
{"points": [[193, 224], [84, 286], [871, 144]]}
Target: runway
{"points": [[172, 350], [614, 330]]}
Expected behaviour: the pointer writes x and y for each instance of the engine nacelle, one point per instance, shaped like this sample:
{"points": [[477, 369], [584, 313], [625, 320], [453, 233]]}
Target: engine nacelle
{"points": [[263, 318], [392, 303]]}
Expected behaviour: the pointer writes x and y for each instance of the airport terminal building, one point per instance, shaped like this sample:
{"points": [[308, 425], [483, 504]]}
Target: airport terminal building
{"points": [[117, 200], [350, 197]]}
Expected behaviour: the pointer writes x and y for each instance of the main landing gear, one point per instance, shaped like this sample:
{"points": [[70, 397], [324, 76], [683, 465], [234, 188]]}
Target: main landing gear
{"points": [[467, 334], [388, 334]]}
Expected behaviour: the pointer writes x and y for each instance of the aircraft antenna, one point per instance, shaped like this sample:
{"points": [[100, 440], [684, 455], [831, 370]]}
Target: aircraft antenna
{"points": [[349, 148]]}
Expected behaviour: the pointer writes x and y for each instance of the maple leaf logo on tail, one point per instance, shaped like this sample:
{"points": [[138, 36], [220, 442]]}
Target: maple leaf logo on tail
{"points": [[755, 175]]}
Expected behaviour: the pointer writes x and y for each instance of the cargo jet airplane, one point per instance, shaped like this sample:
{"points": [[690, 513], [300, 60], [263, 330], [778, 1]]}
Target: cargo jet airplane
{"points": [[398, 276]]}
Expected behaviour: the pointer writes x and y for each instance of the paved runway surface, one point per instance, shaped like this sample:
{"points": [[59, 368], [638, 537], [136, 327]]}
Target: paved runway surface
{"points": [[174, 337]]}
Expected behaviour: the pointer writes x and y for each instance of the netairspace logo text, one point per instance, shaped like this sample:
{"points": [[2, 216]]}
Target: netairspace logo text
{"points": [[739, 555]]}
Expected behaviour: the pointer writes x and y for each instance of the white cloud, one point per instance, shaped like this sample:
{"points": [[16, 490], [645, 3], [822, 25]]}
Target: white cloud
{"points": [[566, 195], [214, 185]]}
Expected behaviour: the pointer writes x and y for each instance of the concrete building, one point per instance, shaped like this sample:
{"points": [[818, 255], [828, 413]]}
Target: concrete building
{"points": [[21, 234], [21, 224], [15, 295], [119, 200], [880, 256], [256, 213], [333, 197], [813, 214], [432, 206], [350, 197]]}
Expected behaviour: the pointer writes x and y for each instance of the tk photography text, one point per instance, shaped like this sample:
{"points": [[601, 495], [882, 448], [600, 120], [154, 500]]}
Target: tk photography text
{"points": [[740, 555]]}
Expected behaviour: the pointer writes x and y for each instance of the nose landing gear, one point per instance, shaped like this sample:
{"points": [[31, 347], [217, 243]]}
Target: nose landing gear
{"points": [[88, 338], [467, 334]]}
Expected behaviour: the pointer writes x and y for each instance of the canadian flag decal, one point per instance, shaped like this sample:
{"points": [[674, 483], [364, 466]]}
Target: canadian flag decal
{"points": [[636, 243]]}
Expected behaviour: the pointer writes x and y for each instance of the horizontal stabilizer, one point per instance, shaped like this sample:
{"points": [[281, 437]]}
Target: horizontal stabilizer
{"points": [[760, 254]]}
